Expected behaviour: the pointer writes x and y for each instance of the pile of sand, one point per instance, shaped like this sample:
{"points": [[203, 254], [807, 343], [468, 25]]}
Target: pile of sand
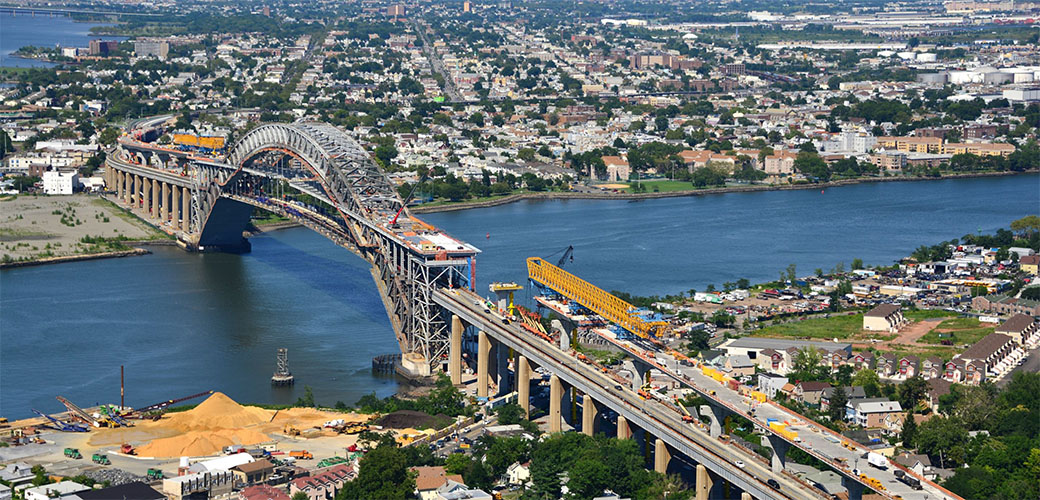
{"points": [[217, 412], [200, 443], [206, 429], [218, 422]]}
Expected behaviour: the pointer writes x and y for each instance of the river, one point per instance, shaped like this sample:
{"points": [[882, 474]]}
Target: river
{"points": [[184, 323], [41, 30]]}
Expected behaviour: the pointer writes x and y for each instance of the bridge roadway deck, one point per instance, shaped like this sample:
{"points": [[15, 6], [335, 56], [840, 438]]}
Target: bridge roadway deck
{"points": [[172, 177], [650, 415]]}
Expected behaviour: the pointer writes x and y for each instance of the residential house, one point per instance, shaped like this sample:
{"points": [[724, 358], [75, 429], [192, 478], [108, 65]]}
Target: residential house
{"points": [[739, 365], [886, 364], [1002, 304], [1022, 328], [769, 383], [906, 367], [863, 360], [1030, 264], [851, 392], [457, 490], [810, 392], [932, 367], [430, 479], [17, 473], [919, 464], [937, 387], [998, 353], [519, 473], [213, 485], [780, 163], [887, 415], [884, 318], [323, 486], [263, 492]]}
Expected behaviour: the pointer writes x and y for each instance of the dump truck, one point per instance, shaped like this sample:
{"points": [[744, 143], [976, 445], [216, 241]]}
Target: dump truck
{"points": [[100, 459], [301, 455], [156, 474], [73, 453], [127, 449]]}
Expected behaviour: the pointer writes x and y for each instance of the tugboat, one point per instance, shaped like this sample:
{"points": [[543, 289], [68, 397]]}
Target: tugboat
{"points": [[282, 375]]}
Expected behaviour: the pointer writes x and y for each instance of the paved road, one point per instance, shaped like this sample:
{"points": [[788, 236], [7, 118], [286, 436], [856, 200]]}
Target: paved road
{"points": [[437, 64], [1032, 364]]}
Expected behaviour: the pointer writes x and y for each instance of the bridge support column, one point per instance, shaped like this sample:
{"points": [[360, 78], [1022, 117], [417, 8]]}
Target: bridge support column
{"points": [[588, 416], [164, 204], [704, 483], [155, 199], [146, 193], [504, 379], [483, 353], [135, 195], [624, 431], [523, 385], [117, 183], [555, 398], [779, 447], [186, 210], [854, 487], [717, 416], [661, 456], [455, 351], [128, 186], [175, 203]]}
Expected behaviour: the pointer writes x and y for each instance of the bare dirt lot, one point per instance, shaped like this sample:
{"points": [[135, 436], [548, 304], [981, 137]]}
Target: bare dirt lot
{"points": [[34, 227]]}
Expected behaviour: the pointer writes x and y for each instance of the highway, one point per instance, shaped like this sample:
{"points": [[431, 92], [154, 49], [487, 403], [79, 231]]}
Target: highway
{"points": [[651, 415]]}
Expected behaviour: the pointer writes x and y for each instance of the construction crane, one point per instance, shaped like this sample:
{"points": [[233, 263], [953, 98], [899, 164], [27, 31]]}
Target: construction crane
{"points": [[411, 194], [592, 298], [165, 404], [568, 255], [79, 412], [62, 426]]}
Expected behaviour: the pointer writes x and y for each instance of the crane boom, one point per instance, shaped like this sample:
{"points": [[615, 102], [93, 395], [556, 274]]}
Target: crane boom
{"points": [[592, 297], [165, 404], [79, 412]]}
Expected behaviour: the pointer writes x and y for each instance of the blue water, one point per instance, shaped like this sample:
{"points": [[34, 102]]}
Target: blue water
{"points": [[20, 30], [184, 323]]}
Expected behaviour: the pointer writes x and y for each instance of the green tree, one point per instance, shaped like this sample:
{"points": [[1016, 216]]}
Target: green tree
{"points": [[457, 463], [299, 495], [308, 398], [909, 432], [383, 474], [836, 408], [939, 436], [810, 164], [870, 382], [912, 391]]}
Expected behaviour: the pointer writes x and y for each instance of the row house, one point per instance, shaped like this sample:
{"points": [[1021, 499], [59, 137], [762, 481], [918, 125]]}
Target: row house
{"points": [[965, 372], [932, 368], [995, 350], [323, 486], [892, 366], [1022, 328], [862, 360]]}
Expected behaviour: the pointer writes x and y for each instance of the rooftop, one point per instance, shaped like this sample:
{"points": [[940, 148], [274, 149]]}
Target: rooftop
{"points": [[985, 347], [882, 311], [782, 344]]}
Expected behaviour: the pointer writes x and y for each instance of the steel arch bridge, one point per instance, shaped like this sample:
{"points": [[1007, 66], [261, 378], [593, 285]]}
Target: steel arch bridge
{"points": [[410, 259]]}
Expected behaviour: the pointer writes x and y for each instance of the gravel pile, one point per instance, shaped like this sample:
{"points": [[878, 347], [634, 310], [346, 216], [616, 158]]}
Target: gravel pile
{"points": [[115, 477]]}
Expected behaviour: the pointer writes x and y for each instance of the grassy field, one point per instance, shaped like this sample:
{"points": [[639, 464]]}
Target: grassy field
{"points": [[663, 186], [842, 326], [959, 330], [920, 314]]}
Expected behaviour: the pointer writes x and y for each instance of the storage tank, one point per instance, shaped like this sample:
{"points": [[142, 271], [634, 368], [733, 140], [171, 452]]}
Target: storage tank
{"points": [[909, 56], [933, 78], [997, 78], [926, 57], [959, 77], [1024, 78]]}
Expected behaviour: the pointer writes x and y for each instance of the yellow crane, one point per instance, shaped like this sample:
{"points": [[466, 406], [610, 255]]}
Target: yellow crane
{"points": [[593, 298]]}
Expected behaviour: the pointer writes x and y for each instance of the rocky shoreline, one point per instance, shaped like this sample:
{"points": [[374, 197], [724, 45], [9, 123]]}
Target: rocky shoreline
{"points": [[75, 258]]}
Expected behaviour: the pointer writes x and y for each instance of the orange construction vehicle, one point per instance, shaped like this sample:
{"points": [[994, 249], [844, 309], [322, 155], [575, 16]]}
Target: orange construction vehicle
{"points": [[301, 455]]}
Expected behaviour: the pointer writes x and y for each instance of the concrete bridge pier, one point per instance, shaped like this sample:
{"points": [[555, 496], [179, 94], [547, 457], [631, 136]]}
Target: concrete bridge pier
{"points": [[483, 361], [854, 487], [523, 385], [779, 447], [624, 430], [705, 483], [555, 400], [186, 210], [717, 415], [661, 456], [455, 351], [504, 378], [164, 206], [588, 415], [155, 199], [175, 206], [146, 194], [135, 194]]}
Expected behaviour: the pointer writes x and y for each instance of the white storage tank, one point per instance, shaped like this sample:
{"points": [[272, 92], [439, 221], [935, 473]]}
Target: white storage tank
{"points": [[909, 56], [1024, 77], [997, 78], [926, 57]]}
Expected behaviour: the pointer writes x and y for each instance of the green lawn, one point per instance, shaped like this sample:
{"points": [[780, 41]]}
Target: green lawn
{"points": [[663, 186], [927, 314], [842, 326], [961, 331]]}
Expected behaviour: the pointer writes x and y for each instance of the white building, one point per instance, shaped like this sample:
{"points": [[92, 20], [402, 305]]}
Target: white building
{"points": [[51, 491], [56, 182]]}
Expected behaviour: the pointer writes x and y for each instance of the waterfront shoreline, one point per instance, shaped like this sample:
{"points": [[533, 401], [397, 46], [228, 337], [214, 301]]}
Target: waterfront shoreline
{"points": [[76, 258], [567, 195]]}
